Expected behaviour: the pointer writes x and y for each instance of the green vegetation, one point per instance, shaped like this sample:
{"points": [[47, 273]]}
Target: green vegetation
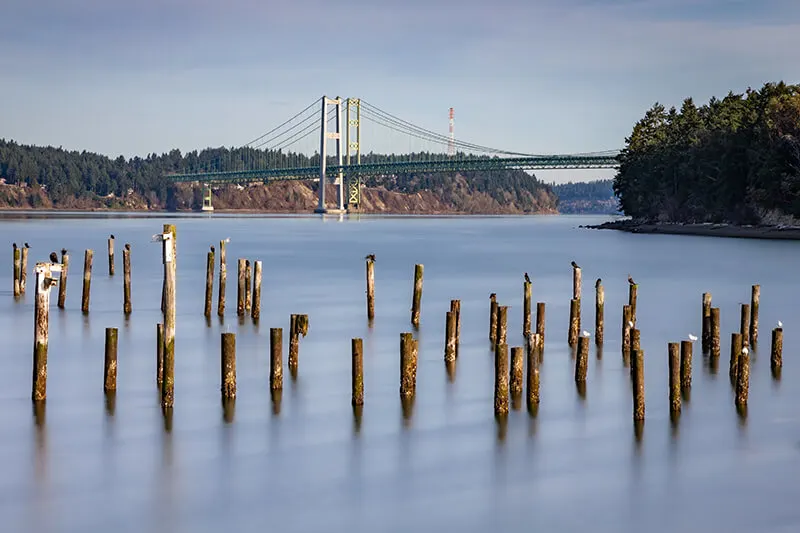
{"points": [[585, 197], [732, 160]]}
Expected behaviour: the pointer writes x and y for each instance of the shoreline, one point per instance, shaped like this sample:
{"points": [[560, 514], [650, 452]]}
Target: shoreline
{"points": [[703, 230]]}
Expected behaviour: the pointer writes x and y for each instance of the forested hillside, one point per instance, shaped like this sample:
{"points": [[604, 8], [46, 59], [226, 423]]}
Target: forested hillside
{"points": [[586, 197]]}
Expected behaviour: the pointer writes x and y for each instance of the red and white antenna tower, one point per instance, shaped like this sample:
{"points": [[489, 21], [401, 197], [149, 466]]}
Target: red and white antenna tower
{"points": [[451, 146]]}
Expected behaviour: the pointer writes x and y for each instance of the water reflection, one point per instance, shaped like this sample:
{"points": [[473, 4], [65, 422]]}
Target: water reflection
{"points": [[276, 395], [111, 404], [501, 422], [228, 409], [450, 367], [358, 411], [407, 405]]}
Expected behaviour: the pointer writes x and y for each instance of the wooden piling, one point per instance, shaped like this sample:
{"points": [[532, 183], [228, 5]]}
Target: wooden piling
{"points": [[126, 279], [408, 365], [599, 313], [736, 349], [637, 363], [626, 335], [633, 294], [110, 361], [87, 279], [357, 350], [501, 379], [517, 367], [170, 256], [526, 307], [582, 359], [706, 321], [636, 339], [370, 287], [276, 358], [455, 308], [209, 282], [755, 300], [62, 280], [111, 256], [223, 277], [744, 324], [686, 365], [674, 378], [450, 337], [715, 327], [776, 353], [743, 378], [574, 321], [240, 287], [534, 348], [540, 323], [159, 354], [576, 281], [502, 324], [228, 365], [298, 325], [23, 268], [248, 286], [493, 319], [255, 312], [417, 298], [17, 266], [41, 325]]}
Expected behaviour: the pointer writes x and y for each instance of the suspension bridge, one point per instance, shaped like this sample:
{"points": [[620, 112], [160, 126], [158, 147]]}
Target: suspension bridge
{"points": [[283, 154]]}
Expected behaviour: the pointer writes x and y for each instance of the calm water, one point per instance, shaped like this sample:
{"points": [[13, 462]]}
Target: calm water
{"points": [[450, 467]]}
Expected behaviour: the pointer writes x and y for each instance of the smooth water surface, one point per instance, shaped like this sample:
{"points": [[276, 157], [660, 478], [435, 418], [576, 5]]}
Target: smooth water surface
{"points": [[305, 464]]}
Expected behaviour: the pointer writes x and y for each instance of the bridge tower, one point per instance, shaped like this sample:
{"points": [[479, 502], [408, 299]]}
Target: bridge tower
{"points": [[323, 152], [353, 181]]}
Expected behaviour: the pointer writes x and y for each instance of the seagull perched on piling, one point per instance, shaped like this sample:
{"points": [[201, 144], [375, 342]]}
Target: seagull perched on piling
{"points": [[574, 264], [630, 323], [745, 350], [586, 333], [692, 337], [780, 324], [527, 278], [370, 257], [53, 257]]}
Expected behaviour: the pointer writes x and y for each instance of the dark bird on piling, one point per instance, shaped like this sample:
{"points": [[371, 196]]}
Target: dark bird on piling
{"points": [[630, 280], [112, 235], [527, 278], [212, 249], [127, 246], [574, 264], [493, 296], [27, 245], [53, 257], [63, 251], [370, 257], [14, 245], [598, 282]]}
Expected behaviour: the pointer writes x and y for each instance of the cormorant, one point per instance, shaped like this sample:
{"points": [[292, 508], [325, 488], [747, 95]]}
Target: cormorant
{"points": [[53, 257], [598, 282], [127, 246], [112, 235], [574, 264], [63, 251], [527, 278], [27, 245], [212, 249], [493, 296], [370, 257]]}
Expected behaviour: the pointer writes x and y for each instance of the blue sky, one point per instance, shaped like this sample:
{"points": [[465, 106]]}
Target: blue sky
{"points": [[540, 76]]}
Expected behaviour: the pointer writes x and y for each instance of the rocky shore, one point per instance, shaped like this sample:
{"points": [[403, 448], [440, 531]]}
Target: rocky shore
{"points": [[706, 230]]}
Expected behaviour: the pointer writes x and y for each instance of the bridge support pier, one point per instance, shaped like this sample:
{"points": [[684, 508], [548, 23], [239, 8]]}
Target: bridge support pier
{"points": [[323, 154], [207, 198]]}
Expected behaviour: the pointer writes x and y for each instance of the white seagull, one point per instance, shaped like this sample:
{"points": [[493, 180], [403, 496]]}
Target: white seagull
{"points": [[745, 350], [630, 323], [692, 337], [586, 333], [780, 324]]}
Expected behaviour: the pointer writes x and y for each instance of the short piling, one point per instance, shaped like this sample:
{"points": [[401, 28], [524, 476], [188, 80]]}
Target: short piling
{"points": [[416, 302], [450, 337], [493, 318], [228, 365], [776, 352], [534, 347], [527, 294], [715, 332], [248, 286], [674, 378], [370, 287], [502, 324], [743, 378], [62, 280], [159, 354], [209, 282], [357, 350], [408, 365], [599, 312], [255, 312], [126, 279], [23, 268], [223, 277], [626, 335], [736, 349], [686, 365], [574, 321], [240, 287], [744, 324], [276, 358], [582, 359], [501, 379], [110, 361], [705, 337], [637, 363], [755, 300], [17, 266], [540, 323], [87, 279], [169, 256], [111, 255], [517, 367], [298, 325]]}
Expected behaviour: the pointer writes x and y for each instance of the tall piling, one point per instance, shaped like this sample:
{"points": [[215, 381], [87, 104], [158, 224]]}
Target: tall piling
{"points": [[450, 337], [240, 287], [715, 332], [706, 322], [357, 350], [228, 365], [416, 302], [110, 361], [87, 279], [370, 287], [599, 312], [744, 324], [582, 359], [223, 277], [62, 279], [736, 349], [126, 279], [298, 325], [574, 321], [248, 286], [209, 282], [455, 308], [576, 281], [502, 324], [493, 318], [255, 312], [674, 378], [776, 352], [408, 365], [686, 365], [169, 254], [626, 335], [23, 268], [755, 300], [637, 364], [517, 367], [534, 347], [743, 378], [501, 379], [540, 322], [111, 255], [633, 295], [41, 325], [17, 266], [159, 354], [527, 294], [276, 358]]}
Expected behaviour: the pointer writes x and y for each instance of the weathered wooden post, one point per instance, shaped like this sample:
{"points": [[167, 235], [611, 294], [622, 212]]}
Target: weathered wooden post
{"points": [[87, 279], [298, 324], [636, 339], [228, 365], [540, 324], [715, 327], [706, 317], [111, 255], [517, 367], [169, 254], [23, 268], [633, 294], [582, 358], [41, 324], [736, 349], [686, 365], [370, 287], [502, 324], [255, 313], [493, 318], [755, 300], [534, 348], [744, 324], [576, 281], [62, 279], [501, 379], [599, 312], [110, 361], [455, 308], [126, 279], [17, 266], [248, 294], [240, 288], [626, 335], [674, 378], [776, 354], [743, 378], [159, 354], [209, 282], [574, 321], [417, 299], [276, 358], [357, 349], [526, 306], [637, 364], [408, 365], [450, 337], [223, 276]]}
